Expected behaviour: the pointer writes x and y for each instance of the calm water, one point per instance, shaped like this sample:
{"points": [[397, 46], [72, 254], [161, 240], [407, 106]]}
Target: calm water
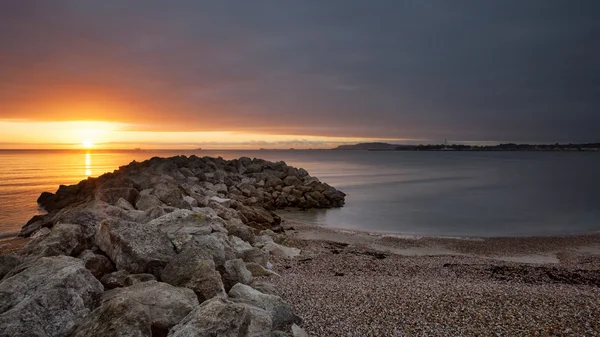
{"points": [[434, 193]]}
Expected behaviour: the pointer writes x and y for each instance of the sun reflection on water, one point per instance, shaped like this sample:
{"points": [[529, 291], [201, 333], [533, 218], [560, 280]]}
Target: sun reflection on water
{"points": [[88, 164]]}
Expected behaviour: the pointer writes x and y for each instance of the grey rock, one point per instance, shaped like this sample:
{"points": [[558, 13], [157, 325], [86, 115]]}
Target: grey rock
{"points": [[222, 201], [97, 264], [165, 305], [281, 251], [135, 247], [236, 272], [255, 255], [291, 181], [115, 279], [8, 263], [124, 204], [195, 269], [63, 239], [48, 297], [132, 279], [219, 317], [121, 317], [148, 201], [298, 331], [112, 195], [257, 270], [281, 313]]}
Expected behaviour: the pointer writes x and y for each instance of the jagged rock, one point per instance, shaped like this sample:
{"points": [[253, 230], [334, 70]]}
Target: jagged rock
{"points": [[112, 195], [115, 279], [63, 239], [165, 305], [239, 245], [121, 317], [135, 247], [132, 279], [291, 181], [194, 268], [97, 264], [48, 297], [191, 201], [237, 228], [216, 246], [124, 204], [224, 202], [147, 202], [34, 224], [7, 263], [255, 255], [236, 272], [281, 313], [298, 331], [281, 251], [219, 317], [258, 270]]}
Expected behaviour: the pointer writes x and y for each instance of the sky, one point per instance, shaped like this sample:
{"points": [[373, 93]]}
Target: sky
{"points": [[311, 73]]}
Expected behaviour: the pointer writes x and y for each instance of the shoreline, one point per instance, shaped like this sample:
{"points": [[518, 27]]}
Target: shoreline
{"points": [[352, 283]]}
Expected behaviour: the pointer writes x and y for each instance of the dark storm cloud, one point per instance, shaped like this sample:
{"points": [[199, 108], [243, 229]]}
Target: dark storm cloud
{"points": [[464, 70]]}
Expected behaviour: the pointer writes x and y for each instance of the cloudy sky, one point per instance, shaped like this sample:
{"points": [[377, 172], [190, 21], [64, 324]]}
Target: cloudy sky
{"points": [[236, 72]]}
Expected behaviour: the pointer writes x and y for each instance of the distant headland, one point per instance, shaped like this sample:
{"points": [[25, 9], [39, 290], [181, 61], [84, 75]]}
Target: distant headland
{"points": [[590, 147]]}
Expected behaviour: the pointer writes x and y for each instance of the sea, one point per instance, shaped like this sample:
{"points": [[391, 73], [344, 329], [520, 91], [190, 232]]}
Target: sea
{"points": [[446, 193]]}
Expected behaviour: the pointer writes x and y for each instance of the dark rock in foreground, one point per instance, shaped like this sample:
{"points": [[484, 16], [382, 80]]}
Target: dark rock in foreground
{"points": [[162, 236]]}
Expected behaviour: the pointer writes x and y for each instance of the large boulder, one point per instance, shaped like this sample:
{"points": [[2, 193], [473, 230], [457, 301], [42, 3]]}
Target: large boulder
{"points": [[63, 239], [219, 317], [170, 195], [8, 263], [235, 271], [112, 195], [147, 202], [281, 312], [137, 248], [121, 317], [97, 264], [165, 305], [48, 297], [194, 268]]}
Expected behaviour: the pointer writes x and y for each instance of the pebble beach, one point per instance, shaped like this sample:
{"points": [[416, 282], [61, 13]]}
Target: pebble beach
{"points": [[342, 286]]}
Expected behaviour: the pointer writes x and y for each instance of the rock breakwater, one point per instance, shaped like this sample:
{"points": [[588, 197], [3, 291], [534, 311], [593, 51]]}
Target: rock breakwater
{"points": [[165, 247]]}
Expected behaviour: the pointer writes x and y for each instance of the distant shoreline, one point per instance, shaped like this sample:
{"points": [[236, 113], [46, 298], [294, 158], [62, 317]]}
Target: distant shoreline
{"points": [[509, 147]]}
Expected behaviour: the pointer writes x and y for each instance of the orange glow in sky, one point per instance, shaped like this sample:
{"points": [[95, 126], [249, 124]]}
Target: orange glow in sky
{"points": [[20, 134]]}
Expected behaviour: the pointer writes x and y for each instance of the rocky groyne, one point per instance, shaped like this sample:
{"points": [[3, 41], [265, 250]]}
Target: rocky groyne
{"points": [[166, 247]]}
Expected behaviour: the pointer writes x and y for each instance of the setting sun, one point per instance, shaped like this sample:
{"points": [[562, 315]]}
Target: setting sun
{"points": [[87, 144]]}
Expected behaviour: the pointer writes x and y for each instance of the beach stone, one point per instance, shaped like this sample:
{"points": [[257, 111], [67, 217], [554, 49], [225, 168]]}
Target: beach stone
{"points": [[194, 268], [135, 247], [165, 304], [97, 264], [219, 317], [48, 297], [281, 313], [235, 272]]}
